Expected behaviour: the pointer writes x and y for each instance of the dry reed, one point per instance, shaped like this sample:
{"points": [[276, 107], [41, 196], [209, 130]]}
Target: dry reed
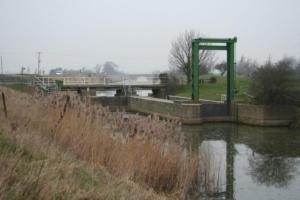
{"points": [[145, 150]]}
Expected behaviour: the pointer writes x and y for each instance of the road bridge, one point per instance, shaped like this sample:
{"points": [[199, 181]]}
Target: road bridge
{"points": [[123, 84]]}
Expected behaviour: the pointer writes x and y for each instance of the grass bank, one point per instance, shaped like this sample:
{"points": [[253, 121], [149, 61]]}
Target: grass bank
{"points": [[39, 170], [213, 91], [21, 87]]}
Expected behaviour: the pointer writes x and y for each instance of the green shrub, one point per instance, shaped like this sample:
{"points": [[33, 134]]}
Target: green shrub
{"points": [[270, 84], [213, 79]]}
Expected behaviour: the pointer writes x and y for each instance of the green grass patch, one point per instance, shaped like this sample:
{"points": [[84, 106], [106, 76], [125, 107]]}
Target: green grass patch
{"points": [[20, 172], [86, 180], [7, 145], [213, 91], [17, 86], [295, 85], [21, 87]]}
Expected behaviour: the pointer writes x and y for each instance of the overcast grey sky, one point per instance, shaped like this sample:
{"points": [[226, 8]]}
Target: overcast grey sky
{"points": [[137, 34]]}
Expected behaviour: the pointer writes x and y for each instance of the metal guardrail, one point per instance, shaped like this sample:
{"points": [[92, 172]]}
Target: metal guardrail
{"points": [[47, 84], [104, 80]]}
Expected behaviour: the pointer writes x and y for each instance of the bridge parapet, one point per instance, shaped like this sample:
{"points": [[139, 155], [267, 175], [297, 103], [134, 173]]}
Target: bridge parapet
{"points": [[105, 80]]}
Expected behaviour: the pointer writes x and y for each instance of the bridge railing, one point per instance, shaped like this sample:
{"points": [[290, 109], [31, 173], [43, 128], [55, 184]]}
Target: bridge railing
{"points": [[84, 81], [45, 83], [104, 80]]}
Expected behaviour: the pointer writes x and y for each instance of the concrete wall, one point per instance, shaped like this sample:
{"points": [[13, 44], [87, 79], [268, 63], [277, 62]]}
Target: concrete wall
{"points": [[187, 99], [187, 113], [114, 103], [264, 115], [191, 113]]}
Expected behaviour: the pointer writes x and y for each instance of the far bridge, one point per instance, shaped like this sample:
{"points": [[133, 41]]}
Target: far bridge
{"points": [[124, 85]]}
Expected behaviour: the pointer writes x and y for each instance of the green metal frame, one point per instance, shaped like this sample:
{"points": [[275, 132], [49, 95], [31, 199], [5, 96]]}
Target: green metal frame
{"points": [[219, 44]]}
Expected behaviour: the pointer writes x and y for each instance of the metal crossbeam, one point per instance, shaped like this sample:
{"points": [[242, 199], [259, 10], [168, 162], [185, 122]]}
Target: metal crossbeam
{"points": [[216, 40], [212, 47]]}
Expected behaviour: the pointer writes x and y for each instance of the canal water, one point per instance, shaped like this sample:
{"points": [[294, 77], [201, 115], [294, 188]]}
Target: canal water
{"points": [[112, 93], [251, 162]]}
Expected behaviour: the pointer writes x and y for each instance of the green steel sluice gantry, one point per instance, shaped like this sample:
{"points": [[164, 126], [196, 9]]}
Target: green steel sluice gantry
{"points": [[214, 44]]}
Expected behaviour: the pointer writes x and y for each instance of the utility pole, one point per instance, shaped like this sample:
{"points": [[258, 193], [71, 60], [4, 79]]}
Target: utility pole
{"points": [[22, 71], [39, 62], [1, 65]]}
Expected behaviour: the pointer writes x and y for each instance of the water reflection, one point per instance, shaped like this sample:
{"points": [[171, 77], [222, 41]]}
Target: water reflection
{"points": [[261, 163], [112, 93], [106, 93], [272, 171]]}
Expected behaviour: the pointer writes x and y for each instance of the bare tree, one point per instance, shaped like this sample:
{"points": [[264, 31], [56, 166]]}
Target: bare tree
{"points": [[181, 54], [246, 66], [110, 68], [98, 68]]}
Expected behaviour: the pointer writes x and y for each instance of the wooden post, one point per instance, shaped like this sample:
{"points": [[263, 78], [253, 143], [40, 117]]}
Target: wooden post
{"points": [[4, 105]]}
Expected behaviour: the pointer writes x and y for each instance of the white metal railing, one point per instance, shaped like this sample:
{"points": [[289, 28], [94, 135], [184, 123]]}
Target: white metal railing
{"points": [[83, 81], [104, 80], [46, 83]]}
